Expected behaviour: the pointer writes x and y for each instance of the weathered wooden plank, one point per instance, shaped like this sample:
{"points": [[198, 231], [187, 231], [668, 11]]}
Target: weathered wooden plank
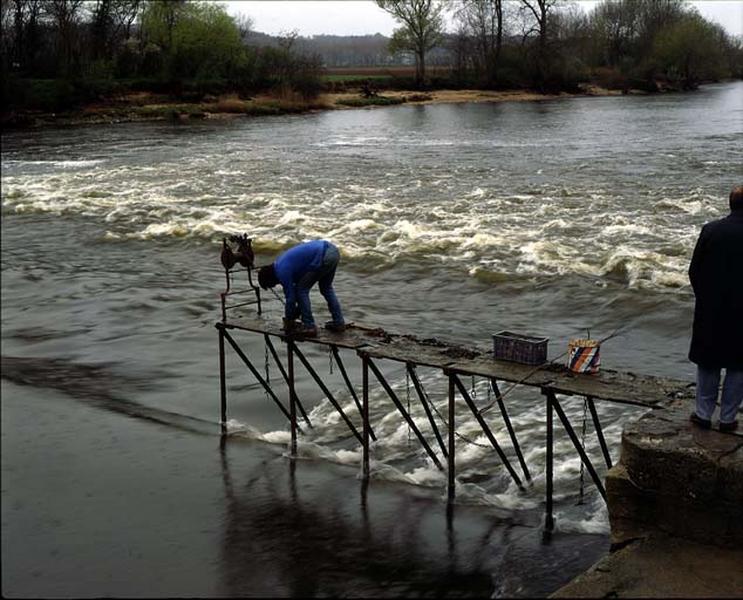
{"points": [[610, 385]]}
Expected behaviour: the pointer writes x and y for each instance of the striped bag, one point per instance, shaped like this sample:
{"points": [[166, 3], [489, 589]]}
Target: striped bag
{"points": [[584, 356]]}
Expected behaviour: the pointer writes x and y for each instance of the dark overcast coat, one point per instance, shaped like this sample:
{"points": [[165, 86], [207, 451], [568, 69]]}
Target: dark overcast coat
{"points": [[716, 274]]}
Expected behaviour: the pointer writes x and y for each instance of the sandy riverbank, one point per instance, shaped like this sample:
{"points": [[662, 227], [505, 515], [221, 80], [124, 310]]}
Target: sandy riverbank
{"points": [[143, 106]]}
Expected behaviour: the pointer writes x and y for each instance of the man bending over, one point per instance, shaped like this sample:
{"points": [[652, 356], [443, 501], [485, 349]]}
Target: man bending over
{"points": [[297, 270]]}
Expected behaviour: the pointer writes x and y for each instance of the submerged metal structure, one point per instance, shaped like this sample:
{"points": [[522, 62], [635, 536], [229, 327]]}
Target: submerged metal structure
{"points": [[373, 345]]}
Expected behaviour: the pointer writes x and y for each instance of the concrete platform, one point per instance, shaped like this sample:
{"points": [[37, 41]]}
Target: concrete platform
{"points": [[676, 511], [662, 567], [678, 479]]}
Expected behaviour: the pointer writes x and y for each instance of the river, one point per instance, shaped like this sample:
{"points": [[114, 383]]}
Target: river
{"points": [[553, 218]]}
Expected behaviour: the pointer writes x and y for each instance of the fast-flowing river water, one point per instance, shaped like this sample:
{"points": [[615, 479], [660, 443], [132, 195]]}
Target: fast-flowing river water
{"points": [[455, 221]]}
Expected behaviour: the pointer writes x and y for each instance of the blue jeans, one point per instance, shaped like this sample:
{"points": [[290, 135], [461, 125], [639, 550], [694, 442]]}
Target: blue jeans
{"points": [[708, 385], [324, 276]]}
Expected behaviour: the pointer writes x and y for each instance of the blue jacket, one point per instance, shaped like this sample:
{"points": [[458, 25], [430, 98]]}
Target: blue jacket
{"points": [[295, 262]]}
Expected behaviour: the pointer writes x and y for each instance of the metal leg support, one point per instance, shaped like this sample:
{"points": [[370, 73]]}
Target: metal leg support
{"points": [[599, 431], [450, 459], [486, 430], [284, 374], [549, 521], [342, 368], [222, 384], [511, 432], [327, 393], [256, 373], [403, 412], [576, 442], [421, 394], [365, 414], [292, 395]]}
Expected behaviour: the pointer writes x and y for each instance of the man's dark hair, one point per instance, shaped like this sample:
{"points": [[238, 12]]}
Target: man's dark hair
{"points": [[267, 277], [736, 198]]}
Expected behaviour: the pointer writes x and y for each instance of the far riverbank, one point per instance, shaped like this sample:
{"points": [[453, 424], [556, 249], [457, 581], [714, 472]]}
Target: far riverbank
{"points": [[145, 106]]}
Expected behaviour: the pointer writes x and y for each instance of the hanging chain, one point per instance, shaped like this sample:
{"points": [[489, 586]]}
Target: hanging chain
{"points": [[330, 360], [473, 390], [583, 445], [446, 423]]}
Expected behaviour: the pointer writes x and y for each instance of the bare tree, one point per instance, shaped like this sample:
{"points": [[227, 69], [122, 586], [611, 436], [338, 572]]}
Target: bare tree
{"points": [[65, 15], [21, 31], [422, 29], [483, 21], [245, 27], [539, 11]]}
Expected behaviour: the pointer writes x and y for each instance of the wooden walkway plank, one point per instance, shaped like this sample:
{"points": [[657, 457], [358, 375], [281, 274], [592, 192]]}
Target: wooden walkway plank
{"points": [[616, 386]]}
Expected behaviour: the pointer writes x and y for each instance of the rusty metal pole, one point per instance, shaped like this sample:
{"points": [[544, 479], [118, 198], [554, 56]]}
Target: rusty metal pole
{"points": [[222, 384], [292, 395], [450, 457], [366, 429]]}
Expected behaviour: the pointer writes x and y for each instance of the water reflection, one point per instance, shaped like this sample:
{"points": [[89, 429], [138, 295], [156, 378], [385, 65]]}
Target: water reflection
{"points": [[291, 528], [300, 542]]}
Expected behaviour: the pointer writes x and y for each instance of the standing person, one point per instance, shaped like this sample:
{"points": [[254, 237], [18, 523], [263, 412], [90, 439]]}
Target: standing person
{"points": [[297, 270], [716, 274]]}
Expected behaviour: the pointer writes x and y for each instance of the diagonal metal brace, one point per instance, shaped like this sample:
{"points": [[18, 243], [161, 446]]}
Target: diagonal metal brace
{"points": [[576, 442], [422, 395], [599, 431], [509, 426], [284, 374], [255, 371], [349, 385], [486, 430], [327, 393], [406, 416]]}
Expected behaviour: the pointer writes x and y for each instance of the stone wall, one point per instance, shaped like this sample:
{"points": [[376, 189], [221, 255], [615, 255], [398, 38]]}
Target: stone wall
{"points": [[677, 479]]}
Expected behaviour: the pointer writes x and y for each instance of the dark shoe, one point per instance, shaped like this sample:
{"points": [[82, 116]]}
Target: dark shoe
{"points": [[335, 327], [306, 330], [290, 326], [699, 421], [727, 427]]}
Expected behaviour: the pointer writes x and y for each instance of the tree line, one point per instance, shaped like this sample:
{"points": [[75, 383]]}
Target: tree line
{"points": [[62, 52], [554, 45], [57, 53]]}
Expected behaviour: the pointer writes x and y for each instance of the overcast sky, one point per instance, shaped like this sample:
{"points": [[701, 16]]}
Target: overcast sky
{"points": [[361, 17]]}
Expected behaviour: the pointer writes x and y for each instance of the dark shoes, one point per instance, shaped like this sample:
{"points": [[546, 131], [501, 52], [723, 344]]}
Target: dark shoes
{"points": [[698, 421], [305, 330], [707, 424], [335, 327], [295, 328]]}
